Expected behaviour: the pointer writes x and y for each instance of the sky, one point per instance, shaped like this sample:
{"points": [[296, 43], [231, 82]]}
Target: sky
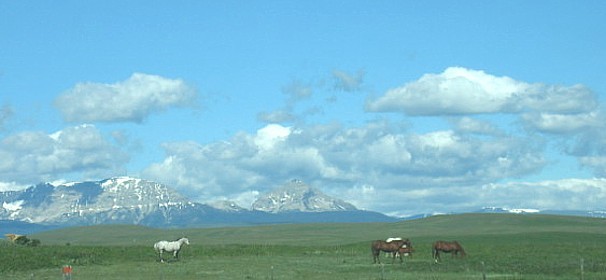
{"points": [[399, 107]]}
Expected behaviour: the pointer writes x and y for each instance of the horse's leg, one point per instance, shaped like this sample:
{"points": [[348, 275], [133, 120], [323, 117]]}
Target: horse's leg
{"points": [[160, 255], [375, 256]]}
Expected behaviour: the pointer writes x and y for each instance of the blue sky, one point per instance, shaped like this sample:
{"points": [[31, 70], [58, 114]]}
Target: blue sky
{"points": [[396, 106]]}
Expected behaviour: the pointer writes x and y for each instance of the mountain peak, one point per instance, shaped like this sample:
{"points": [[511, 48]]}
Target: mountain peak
{"points": [[298, 196]]}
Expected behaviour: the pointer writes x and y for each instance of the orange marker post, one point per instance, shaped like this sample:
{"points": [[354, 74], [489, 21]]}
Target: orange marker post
{"points": [[67, 272]]}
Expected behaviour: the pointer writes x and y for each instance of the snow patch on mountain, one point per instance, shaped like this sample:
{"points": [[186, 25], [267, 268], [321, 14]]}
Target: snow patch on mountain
{"points": [[13, 206]]}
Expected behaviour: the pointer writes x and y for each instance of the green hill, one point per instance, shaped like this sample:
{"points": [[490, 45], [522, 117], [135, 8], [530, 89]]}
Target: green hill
{"points": [[437, 227]]}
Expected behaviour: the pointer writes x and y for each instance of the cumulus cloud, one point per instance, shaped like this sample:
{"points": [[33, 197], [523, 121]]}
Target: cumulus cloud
{"points": [[455, 91], [459, 91], [131, 100], [35, 156]]}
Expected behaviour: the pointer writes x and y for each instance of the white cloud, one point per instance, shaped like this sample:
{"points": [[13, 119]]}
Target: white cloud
{"points": [[270, 135], [455, 91], [459, 91], [34, 156], [129, 101]]}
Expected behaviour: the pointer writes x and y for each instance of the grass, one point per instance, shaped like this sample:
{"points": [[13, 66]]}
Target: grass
{"points": [[499, 247]]}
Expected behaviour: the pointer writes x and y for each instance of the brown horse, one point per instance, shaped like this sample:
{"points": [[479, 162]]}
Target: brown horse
{"points": [[447, 247], [391, 247]]}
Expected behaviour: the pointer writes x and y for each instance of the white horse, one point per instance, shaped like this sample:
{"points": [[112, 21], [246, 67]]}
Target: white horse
{"points": [[170, 246]]}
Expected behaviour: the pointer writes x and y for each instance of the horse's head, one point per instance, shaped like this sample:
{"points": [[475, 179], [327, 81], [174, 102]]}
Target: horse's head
{"points": [[185, 240]]}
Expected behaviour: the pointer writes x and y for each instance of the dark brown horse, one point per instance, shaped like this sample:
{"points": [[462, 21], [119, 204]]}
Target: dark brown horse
{"points": [[447, 247], [390, 247]]}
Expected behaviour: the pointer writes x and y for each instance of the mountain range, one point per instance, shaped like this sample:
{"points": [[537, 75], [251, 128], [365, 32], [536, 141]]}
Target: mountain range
{"points": [[126, 200]]}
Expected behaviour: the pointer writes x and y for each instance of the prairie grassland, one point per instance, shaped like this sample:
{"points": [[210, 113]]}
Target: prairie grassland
{"points": [[498, 247]]}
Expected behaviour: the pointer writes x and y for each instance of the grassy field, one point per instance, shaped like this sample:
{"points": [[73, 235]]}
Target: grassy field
{"points": [[499, 246]]}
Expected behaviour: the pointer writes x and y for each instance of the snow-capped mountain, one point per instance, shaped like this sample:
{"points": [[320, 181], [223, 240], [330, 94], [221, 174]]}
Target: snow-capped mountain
{"points": [[509, 210], [297, 196], [114, 200], [583, 213]]}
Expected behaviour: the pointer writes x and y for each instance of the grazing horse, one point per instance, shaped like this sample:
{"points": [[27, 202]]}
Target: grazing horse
{"points": [[391, 247], [447, 247], [170, 246]]}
